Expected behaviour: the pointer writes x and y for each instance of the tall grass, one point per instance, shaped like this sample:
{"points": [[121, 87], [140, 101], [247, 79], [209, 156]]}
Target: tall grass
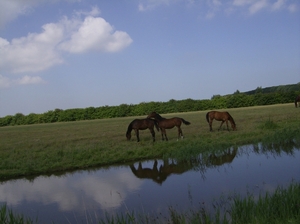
{"points": [[8, 217], [282, 206]]}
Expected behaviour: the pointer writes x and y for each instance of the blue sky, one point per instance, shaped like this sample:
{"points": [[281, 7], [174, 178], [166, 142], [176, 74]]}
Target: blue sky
{"points": [[80, 53]]}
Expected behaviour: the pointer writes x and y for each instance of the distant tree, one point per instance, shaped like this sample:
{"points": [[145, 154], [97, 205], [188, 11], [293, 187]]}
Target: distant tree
{"points": [[258, 90], [6, 121], [18, 119]]}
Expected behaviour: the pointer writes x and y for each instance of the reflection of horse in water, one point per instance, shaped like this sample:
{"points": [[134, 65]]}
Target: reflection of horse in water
{"points": [[169, 167], [161, 174], [226, 157], [147, 173]]}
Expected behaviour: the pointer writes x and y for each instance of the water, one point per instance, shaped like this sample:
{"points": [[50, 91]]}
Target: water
{"points": [[89, 194]]}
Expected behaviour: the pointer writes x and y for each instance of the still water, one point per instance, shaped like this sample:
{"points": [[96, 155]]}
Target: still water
{"points": [[151, 187]]}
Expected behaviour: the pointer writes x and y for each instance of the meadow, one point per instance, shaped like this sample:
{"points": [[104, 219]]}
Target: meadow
{"points": [[45, 148]]}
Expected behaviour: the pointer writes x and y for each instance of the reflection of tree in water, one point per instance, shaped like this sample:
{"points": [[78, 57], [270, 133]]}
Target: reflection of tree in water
{"points": [[171, 166], [288, 146]]}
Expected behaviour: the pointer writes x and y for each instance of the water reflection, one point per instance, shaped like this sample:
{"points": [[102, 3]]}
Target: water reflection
{"points": [[153, 186], [226, 156]]}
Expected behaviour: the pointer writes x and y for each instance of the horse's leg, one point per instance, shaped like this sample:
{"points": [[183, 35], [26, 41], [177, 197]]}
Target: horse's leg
{"points": [[162, 134], [210, 124], [137, 134], [227, 125], [221, 125], [152, 133], [165, 133], [179, 133]]}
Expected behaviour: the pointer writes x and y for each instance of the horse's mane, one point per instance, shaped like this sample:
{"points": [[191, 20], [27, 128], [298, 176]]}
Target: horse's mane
{"points": [[157, 116]]}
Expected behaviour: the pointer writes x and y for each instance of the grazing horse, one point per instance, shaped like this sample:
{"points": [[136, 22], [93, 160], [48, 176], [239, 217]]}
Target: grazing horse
{"points": [[164, 123], [220, 116], [141, 124], [297, 100]]}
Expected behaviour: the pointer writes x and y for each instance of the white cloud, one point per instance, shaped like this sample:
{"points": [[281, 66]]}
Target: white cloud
{"points": [[6, 82], [257, 6], [94, 33], [40, 51], [214, 7], [293, 8], [9, 10], [278, 5], [151, 4], [252, 6], [242, 2], [29, 80]]}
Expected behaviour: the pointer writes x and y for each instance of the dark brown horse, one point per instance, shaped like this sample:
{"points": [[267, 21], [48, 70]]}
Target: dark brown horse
{"points": [[297, 100], [164, 123], [141, 124], [220, 116]]}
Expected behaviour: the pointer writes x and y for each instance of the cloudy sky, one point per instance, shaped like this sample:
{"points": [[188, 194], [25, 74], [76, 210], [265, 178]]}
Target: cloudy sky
{"points": [[80, 53]]}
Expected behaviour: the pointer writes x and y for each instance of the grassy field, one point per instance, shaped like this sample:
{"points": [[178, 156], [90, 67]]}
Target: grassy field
{"points": [[45, 148]]}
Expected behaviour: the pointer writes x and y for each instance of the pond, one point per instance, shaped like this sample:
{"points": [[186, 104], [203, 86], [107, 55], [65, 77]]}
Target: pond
{"points": [[151, 187]]}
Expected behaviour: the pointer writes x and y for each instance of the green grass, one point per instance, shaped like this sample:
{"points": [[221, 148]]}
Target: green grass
{"points": [[45, 148]]}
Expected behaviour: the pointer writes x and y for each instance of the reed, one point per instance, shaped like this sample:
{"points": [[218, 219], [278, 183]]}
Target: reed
{"points": [[8, 217], [282, 206], [46, 148]]}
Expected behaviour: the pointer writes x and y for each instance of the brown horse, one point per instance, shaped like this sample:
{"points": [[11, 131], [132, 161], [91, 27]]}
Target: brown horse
{"points": [[164, 123], [297, 100], [141, 124], [220, 116]]}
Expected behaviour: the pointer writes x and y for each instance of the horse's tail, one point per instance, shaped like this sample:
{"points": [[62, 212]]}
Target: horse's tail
{"points": [[156, 125], [207, 117], [185, 122]]}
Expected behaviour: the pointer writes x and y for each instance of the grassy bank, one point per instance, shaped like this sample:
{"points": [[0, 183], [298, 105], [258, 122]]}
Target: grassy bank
{"points": [[44, 148], [282, 206]]}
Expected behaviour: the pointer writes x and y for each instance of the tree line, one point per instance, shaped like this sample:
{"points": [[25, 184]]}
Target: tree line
{"points": [[234, 100]]}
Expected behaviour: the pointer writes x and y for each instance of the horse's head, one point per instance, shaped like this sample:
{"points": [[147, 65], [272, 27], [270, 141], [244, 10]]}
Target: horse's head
{"points": [[128, 136], [233, 127], [152, 115]]}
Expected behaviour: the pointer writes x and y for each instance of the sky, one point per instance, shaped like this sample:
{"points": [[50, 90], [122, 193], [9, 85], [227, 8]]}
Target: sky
{"points": [[64, 54]]}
